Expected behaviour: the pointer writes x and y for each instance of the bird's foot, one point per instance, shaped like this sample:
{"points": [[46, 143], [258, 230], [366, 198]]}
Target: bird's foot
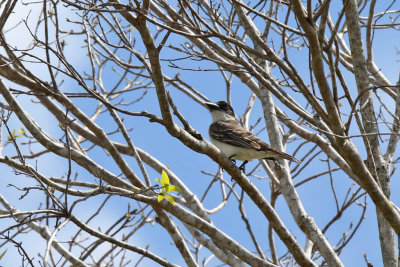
{"points": [[241, 167], [231, 158]]}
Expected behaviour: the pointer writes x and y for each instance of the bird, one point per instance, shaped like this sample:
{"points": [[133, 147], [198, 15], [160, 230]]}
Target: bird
{"points": [[235, 141]]}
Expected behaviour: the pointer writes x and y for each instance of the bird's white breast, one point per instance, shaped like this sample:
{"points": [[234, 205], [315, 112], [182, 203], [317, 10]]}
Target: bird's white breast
{"points": [[239, 153]]}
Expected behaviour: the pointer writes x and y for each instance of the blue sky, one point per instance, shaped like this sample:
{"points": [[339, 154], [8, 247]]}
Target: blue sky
{"points": [[317, 197]]}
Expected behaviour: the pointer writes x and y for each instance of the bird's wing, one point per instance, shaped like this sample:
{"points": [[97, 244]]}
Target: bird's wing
{"points": [[230, 132]]}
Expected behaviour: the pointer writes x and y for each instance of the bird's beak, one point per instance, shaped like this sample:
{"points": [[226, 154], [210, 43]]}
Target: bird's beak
{"points": [[211, 106]]}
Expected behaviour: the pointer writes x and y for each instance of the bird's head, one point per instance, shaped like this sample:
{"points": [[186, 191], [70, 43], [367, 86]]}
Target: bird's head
{"points": [[220, 111]]}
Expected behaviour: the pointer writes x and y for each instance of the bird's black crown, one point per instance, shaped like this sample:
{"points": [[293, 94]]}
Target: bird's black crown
{"points": [[226, 107]]}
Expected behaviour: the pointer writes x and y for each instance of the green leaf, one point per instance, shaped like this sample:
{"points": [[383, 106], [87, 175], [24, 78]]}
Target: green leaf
{"points": [[164, 179], [170, 199], [2, 254], [166, 188], [16, 134], [22, 131], [172, 188], [10, 137]]}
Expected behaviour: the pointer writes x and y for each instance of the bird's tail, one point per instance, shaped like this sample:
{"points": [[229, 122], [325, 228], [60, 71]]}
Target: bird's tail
{"points": [[283, 155]]}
